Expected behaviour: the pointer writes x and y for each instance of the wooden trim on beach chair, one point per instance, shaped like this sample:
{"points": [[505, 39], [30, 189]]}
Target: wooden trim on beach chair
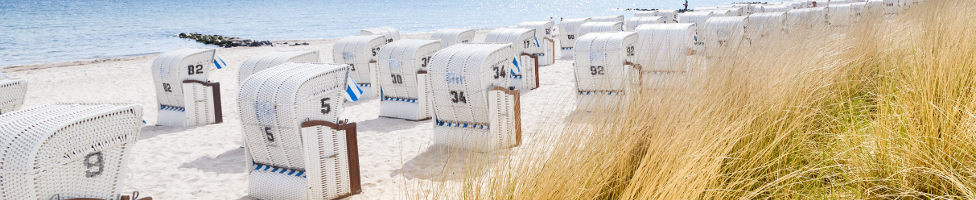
{"points": [[218, 110], [518, 112], [536, 59], [352, 148], [553, 56]]}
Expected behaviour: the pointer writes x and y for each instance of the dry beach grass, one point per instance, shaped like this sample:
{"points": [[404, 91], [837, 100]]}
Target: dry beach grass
{"points": [[877, 110]]}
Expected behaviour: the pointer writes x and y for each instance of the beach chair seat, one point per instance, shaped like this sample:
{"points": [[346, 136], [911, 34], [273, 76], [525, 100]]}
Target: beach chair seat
{"points": [[543, 34], [666, 54], [403, 78], [359, 52], [525, 73], [390, 34], [256, 64], [568, 32], [295, 145], [184, 93], [597, 27], [473, 109], [67, 151], [453, 36], [12, 92], [606, 69]]}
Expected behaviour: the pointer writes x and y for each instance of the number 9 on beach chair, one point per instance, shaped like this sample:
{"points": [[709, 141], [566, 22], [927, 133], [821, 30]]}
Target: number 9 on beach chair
{"points": [[472, 108], [256, 64], [605, 68], [525, 73], [359, 52], [12, 93], [403, 78], [568, 32], [296, 146], [67, 151], [452, 36], [544, 35], [186, 96], [667, 52]]}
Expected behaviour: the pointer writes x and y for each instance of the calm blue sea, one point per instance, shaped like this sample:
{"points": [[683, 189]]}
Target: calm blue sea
{"points": [[38, 31]]}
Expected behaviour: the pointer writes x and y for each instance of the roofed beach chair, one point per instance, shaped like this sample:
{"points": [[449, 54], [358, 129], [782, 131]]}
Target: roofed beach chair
{"points": [[404, 79], [633, 22], [597, 27], [666, 53], [544, 34], [524, 75], [452, 36], [568, 32], [606, 68], [360, 52], [12, 92], [256, 64], [725, 35], [389, 33], [295, 145], [67, 151], [616, 18], [185, 94], [473, 109], [840, 15], [670, 16], [806, 19], [766, 25]]}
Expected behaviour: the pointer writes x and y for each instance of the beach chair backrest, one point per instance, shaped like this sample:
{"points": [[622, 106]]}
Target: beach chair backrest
{"points": [[601, 60], [390, 34], [256, 64], [450, 37], [12, 93]]}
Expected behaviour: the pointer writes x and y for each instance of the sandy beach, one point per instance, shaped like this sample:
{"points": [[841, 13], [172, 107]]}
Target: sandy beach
{"points": [[207, 162]]}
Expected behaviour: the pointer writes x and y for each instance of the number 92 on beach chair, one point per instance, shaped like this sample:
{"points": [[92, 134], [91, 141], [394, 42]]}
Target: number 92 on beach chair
{"points": [[472, 108], [605, 68], [295, 145], [185, 94]]}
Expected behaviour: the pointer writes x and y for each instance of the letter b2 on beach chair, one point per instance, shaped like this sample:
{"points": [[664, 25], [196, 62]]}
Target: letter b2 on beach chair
{"points": [[186, 96], [12, 93], [296, 146], [525, 73], [67, 151], [360, 53], [403, 78], [472, 108], [605, 68]]}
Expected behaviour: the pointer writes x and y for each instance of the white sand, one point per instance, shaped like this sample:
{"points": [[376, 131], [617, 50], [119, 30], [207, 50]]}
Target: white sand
{"points": [[207, 162]]}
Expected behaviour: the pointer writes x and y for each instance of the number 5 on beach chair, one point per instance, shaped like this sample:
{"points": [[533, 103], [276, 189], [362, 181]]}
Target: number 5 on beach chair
{"points": [[12, 93], [185, 94], [67, 151], [472, 108], [296, 146], [403, 78]]}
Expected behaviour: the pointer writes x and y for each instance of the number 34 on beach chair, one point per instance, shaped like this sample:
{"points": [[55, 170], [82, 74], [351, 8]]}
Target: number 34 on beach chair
{"points": [[185, 94]]}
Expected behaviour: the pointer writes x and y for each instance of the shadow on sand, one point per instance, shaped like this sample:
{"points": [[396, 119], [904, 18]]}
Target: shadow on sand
{"points": [[441, 163], [229, 162]]}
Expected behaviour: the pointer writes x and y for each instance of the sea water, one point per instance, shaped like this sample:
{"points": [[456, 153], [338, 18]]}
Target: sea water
{"points": [[39, 31]]}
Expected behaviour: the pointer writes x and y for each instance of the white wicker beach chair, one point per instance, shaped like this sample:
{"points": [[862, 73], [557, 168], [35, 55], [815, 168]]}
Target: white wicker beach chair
{"points": [[649, 13], [633, 22], [670, 16], [597, 27], [186, 96], [389, 33], [874, 9], [568, 32], [67, 151], [725, 35], [256, 64], [545, 35], [606, 68], [617, 18], [775, 8], [697, 17], [840, 15], [12, 93], [666, 52], [403, 78], [472, 108], [360, 52], [892, 7], [766, 25], [296, 146], [452, 36], [807, 19], [525, 74]]}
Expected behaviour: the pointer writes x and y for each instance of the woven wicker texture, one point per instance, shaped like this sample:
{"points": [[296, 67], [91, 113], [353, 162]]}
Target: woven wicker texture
{"points": [[633, 22], [466, 114], [273, 104], [545, 35], [665, 47], [840, 14], [404, 89], [12, 93], [601, 62], [775, 8], [765, 25], [523, 77], [389, 33], [670, 16], [806, 19], [170, 70], [724, 35], [66, 151], [617, 18], [698, 17], [569, 31], [452, 36], [255, 64], [596, 27], [360, 52]]}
